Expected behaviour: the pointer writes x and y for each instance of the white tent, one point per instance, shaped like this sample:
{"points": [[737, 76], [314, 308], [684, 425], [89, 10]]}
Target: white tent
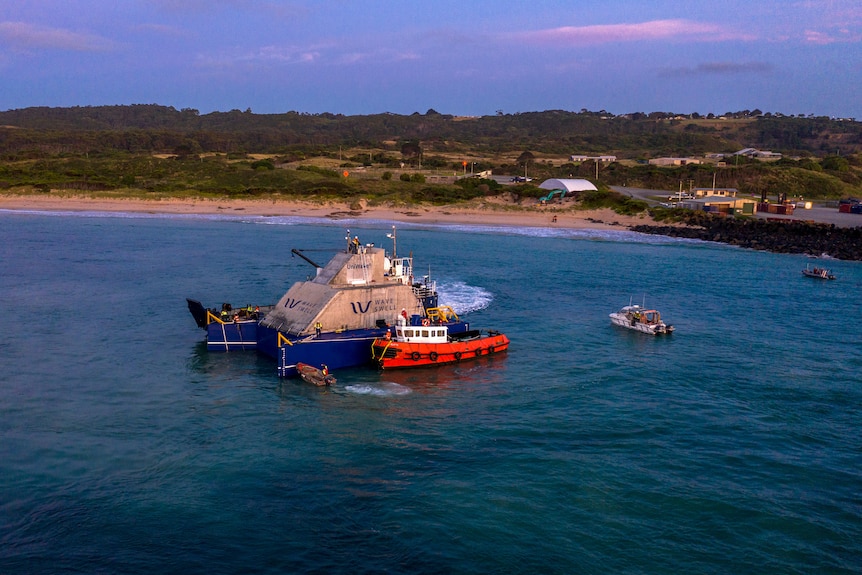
{"points": [[568, 185]]}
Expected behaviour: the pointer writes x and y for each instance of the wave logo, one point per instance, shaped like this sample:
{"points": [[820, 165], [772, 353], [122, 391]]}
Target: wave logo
{"points": [[291, 303], [357, 306]]}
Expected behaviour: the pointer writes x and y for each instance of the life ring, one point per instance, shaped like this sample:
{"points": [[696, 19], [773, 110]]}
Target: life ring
{"points": [[478, 351], [457, 356], [425, 322], [388, 335], [432, 356], [491, 349], [414, 356]]}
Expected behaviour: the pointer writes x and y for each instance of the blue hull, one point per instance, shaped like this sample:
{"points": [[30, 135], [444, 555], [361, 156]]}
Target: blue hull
{"points": [[335, 350], [232, 336]]}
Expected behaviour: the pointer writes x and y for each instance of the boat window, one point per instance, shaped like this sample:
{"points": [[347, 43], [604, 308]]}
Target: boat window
{"points": [[424, 333], [408, 333]]}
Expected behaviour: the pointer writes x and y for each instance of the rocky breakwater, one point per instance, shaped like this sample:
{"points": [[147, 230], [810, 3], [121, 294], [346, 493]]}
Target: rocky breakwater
{"points": [[786, 236]]}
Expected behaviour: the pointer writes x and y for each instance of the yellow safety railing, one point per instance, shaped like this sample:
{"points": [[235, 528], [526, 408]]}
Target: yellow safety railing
{"points": [[283, 340], [211, 317], [443, 313]]}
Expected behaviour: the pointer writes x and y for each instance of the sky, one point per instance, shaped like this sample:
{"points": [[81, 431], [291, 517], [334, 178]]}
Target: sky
{"points": [[470, 58]]}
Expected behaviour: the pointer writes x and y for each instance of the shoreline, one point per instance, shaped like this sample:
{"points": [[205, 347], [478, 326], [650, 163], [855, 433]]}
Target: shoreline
{"points": [[483, 215]]}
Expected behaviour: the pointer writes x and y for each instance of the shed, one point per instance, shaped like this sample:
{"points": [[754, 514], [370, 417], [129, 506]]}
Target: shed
{"points": [[673, 161], [721, 204], [569, 185], [703, 192]]}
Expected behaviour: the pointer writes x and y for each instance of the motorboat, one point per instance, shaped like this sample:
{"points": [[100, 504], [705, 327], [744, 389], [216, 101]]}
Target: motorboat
{"points": [[316, 376], [641, 319], [819, 273]]}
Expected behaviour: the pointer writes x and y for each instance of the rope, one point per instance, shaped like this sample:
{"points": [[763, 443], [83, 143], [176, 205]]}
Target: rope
{"points": [[382, 353]]}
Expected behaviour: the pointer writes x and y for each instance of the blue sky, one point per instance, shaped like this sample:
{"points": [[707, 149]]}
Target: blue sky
{"points": [[463, 58]]}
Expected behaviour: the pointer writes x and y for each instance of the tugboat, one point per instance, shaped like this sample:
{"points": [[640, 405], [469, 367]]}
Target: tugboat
{"points": [[819, 273], [334, 318], [431, 342], [641, 319]]}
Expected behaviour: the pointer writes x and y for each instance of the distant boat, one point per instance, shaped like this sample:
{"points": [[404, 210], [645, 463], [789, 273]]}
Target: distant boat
{"points": [[641, 319], [819, 273]]}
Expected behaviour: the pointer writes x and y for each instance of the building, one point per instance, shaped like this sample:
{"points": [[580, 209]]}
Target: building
{"points": [[703, 192], [673, 161], [600, 159], [759, 154], [721, 205]]}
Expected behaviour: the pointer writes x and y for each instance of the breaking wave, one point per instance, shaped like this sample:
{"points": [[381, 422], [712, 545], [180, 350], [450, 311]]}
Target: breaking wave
{"points": [[621, 235]]}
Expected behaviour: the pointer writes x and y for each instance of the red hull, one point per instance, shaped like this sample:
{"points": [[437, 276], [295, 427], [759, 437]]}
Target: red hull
{"points": [[398, 354]]}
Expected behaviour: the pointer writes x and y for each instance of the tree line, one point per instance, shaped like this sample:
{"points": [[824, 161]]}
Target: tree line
{"points": [[151, 128]]}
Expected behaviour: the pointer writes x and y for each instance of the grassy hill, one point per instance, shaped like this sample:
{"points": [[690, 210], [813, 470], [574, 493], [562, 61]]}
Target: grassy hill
{"points": [[151, 149]]}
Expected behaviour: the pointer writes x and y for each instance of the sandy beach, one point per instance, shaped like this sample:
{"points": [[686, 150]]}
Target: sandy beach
{"points": [[486, 213]]}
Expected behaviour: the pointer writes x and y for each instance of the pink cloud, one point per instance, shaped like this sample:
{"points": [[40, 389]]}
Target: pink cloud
{"points": [[27, 36], [683, 30], [823, 38], [720, 68]]}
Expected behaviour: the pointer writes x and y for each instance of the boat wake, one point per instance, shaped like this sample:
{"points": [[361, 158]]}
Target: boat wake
{"points": [[382, 389], [463, 298]]}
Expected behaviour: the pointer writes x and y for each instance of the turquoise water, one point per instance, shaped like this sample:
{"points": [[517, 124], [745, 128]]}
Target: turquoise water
{"points": [[732, 446]]}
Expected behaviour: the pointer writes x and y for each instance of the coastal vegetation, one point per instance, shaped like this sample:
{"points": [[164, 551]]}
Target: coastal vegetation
{"points": [[150, 151]]}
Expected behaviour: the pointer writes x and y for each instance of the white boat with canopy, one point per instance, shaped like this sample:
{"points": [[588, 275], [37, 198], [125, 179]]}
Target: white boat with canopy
{"points": [[641, 319]]}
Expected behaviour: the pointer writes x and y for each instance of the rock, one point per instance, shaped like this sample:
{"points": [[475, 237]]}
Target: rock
{"points": [[781, 237]]}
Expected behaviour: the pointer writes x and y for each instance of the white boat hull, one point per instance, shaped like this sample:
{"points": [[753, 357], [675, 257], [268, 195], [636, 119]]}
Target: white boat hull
{"points": [[637, 319]]}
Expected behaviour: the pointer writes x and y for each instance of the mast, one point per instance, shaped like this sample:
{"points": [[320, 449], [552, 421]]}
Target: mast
{"points": [[394, 246]]}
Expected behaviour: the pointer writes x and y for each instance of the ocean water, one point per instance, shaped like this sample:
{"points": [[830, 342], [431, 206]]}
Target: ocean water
{"points": [[732, 446]]}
